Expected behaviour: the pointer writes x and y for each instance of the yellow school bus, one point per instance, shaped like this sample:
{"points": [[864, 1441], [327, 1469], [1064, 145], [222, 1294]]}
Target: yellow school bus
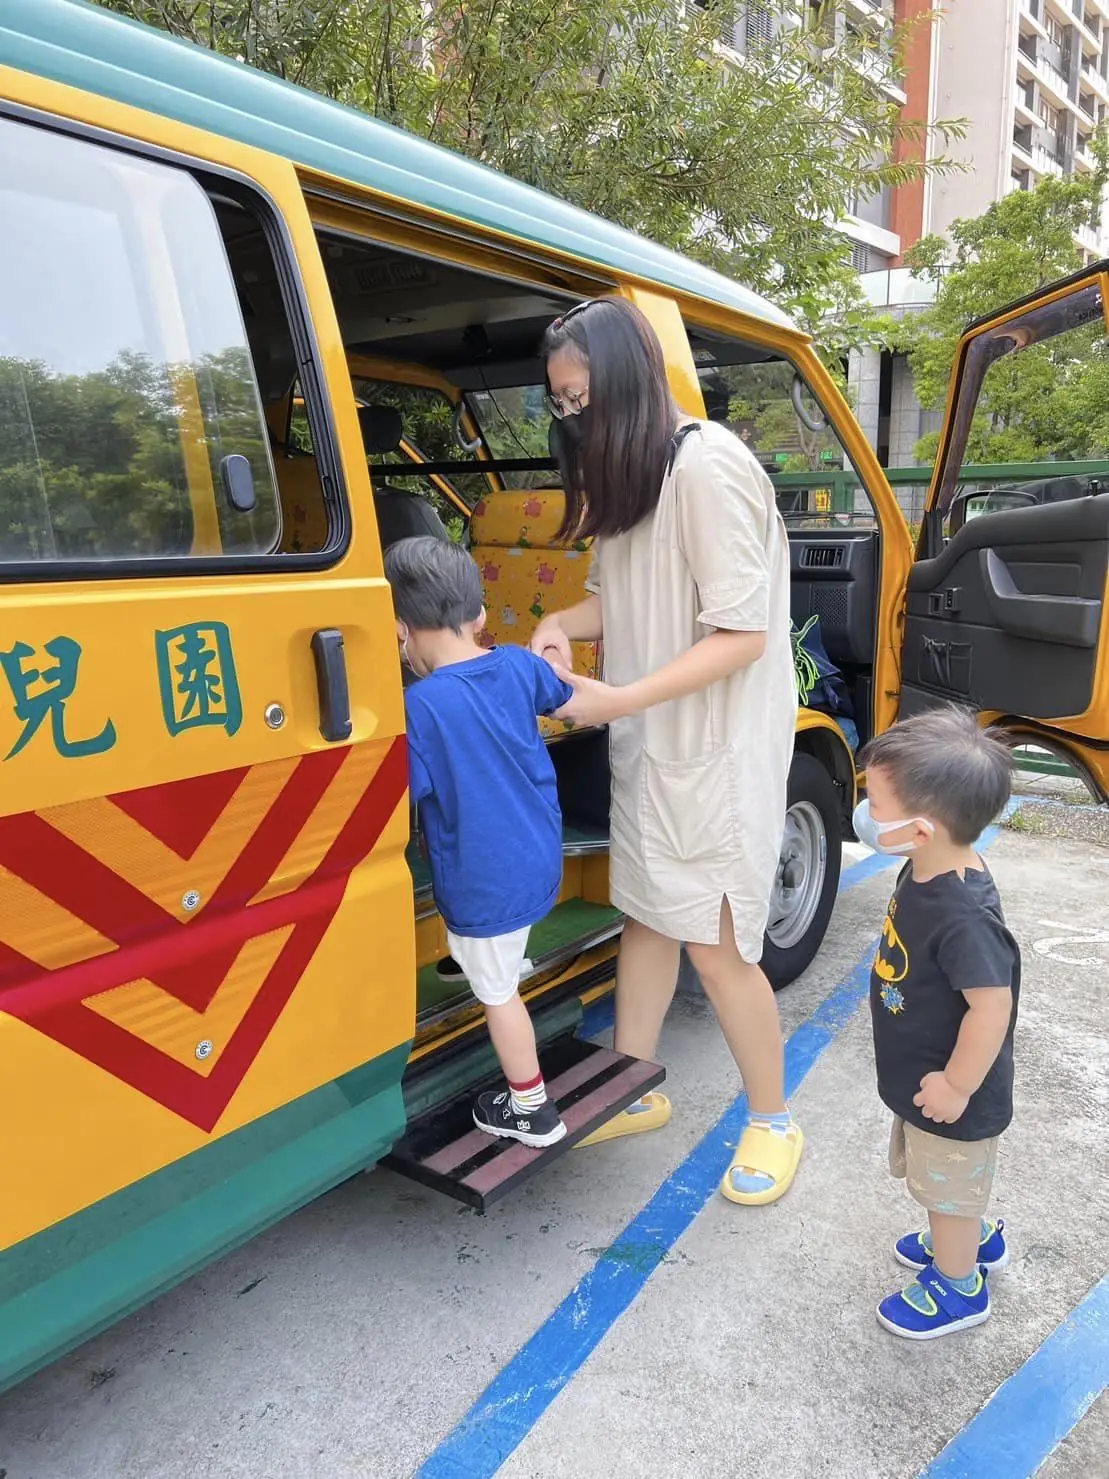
{"points": [[247, 337]]}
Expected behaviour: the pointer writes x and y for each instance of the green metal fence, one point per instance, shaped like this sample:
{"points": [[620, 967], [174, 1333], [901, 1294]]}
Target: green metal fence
{"points": [[1039, 762], [840, 492]]}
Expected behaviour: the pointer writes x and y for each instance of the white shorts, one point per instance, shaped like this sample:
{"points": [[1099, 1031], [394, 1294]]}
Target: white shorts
{"points": [[492, 967]]}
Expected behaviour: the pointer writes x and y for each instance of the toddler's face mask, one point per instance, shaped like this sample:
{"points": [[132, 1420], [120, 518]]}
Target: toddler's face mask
{"points": [[871, 832], [402, 643]]}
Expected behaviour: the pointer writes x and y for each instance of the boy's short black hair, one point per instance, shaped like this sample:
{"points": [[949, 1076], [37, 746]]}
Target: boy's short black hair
{"points": [[436, 585], [944, 766]]}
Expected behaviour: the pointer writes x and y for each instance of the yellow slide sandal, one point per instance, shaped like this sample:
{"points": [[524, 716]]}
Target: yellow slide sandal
{"points": [[632, 1121], [762, 1151]]}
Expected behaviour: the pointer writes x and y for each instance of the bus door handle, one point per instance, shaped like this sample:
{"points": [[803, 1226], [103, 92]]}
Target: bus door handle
{"points": [[331, 683]]}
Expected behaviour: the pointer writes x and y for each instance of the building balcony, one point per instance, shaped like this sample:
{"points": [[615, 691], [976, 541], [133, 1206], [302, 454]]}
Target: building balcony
{"points": [[753, 25], [1022, 144], [863, 233], [1091, 77], [1052, 80], [1026, 64], [1044, 61], [1088, 239], [1089, 24], [876, 70], [896, 287], [1049, 141], [1084, 162], [1091, 39], [1046, 163], [1032, 17], [874, 11]]}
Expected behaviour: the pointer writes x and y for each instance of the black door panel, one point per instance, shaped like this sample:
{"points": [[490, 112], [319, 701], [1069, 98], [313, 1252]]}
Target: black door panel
{"points": [[834, 575], [1043, 617], [1007, 616]]}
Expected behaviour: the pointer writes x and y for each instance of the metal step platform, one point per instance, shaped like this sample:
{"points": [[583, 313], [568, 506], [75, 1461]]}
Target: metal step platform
{"points": [[445, 1150]]}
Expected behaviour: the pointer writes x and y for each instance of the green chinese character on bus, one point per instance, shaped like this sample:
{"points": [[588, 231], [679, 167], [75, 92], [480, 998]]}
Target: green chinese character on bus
{"points": [[197, 678], [41, 687]]}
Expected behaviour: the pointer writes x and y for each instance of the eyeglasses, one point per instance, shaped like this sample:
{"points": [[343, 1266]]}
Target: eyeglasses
{"points": [[570, 404], [561, 406]]}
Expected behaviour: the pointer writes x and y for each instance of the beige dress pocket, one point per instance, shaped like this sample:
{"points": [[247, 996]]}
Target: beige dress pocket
{"points": [[689, 808]]}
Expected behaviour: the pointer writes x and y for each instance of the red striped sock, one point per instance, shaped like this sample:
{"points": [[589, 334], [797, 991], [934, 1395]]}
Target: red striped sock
{"points": [[527, 1098]]}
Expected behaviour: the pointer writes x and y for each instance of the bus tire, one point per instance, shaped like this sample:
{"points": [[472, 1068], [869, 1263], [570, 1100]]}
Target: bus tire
{"points": [[807, 876]]}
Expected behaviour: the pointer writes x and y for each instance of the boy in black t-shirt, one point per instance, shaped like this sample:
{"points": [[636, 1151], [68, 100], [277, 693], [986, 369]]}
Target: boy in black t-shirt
{"points": [[943, 1003]]}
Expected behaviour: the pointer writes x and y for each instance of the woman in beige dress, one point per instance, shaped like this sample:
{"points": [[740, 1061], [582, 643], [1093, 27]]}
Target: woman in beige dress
{"points": [[690, 592]]}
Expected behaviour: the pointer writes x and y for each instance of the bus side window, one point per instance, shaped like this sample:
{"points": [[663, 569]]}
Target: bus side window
{"points": [[142, 331]]}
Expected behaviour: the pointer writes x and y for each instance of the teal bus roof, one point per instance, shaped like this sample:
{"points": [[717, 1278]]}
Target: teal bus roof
{"points": [[84, 46]]}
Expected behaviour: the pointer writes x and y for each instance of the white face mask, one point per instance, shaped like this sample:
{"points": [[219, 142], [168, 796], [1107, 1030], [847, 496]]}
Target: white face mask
{"points": [[871, 832], [405, 659]]}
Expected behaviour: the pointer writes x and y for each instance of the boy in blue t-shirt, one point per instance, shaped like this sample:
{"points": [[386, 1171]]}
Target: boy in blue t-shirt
{"points": [[485, 789]]}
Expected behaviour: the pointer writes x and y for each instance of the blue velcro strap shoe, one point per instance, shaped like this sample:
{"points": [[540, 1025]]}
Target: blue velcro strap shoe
{"points": [[993, 1252], [932, 1307]]}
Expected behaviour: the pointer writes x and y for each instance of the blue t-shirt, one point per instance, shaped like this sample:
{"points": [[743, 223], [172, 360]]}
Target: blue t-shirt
{"points": [[485, 787]]}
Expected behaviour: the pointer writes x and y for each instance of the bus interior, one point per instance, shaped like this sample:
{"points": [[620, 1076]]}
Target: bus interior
{"points": [[449, 384]]}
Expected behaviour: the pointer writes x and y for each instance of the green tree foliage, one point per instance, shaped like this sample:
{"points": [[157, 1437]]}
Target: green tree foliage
{"points": [[96, 466], [632, 110], [1049, 400]]}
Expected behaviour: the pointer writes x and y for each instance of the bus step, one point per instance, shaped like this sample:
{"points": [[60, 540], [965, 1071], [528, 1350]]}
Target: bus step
{"points": [[445, 1150]]}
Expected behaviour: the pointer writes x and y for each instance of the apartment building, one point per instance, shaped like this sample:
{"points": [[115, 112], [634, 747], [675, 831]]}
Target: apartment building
{"points": [[1031, 77], [869, 227]]}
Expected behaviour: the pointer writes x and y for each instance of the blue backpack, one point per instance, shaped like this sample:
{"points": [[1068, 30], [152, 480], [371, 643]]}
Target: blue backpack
{"points": [[820, 684]]}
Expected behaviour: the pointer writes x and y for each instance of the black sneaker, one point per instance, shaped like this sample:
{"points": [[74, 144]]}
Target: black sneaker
{"points": [[494, 1114]]}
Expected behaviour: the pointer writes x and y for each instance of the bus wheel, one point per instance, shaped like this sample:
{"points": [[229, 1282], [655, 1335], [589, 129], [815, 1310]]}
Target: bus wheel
{"points": [[808, 873]]}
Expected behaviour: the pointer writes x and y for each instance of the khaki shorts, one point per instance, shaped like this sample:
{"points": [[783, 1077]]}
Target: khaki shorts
{"points": [[951, 1176]]}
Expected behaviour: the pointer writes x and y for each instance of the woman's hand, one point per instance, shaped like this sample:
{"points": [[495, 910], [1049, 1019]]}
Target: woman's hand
{"points": [[553, 635], [593, 702], [552, 644]]}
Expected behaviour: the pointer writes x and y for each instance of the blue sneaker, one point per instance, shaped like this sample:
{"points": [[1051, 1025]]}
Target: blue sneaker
{"points": [[932, 1307], [993, 1251]]}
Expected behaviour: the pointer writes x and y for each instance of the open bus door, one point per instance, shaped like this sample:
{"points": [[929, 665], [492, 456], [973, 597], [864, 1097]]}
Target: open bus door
{"points": [[1006, 611]]}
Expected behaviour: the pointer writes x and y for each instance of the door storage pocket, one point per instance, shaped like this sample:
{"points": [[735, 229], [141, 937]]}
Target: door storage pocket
{"points": [[945, 664], [689, 808]]}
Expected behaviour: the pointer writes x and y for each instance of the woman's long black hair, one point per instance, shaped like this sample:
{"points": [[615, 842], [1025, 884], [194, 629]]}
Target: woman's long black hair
{"points": [[613, 473]]}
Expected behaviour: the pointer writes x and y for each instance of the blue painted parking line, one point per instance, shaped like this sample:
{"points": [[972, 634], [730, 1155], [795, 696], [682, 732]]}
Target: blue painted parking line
{"points": [[1033, 1411], [601, 1015], [517, 1398], [866, 869]]}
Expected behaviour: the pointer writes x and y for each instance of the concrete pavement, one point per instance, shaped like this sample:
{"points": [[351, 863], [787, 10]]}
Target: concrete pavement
{"points": [[352, 1339]]}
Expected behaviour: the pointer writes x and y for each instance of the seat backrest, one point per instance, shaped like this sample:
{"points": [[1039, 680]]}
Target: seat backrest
{"points": [[402, 515], [304, 525], [526, 573]]}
